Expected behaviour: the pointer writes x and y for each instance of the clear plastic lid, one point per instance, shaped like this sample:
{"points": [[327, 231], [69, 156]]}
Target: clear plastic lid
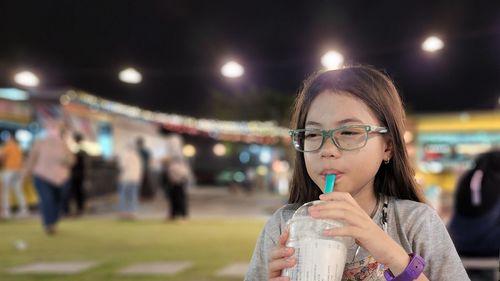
{"points": [[302, 226]]}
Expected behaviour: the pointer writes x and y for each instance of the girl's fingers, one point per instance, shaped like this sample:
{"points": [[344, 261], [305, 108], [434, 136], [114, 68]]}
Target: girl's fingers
{"points": [[344, 215], [350, 231], [337, 196], [276, 266], [338, 210], [283, 238], [336, 205], [281, 252], [280, 258], [281, 278], [330, 214]]}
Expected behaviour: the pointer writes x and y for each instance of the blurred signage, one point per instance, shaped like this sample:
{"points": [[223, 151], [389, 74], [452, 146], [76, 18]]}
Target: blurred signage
{"points": [[19, 112]]}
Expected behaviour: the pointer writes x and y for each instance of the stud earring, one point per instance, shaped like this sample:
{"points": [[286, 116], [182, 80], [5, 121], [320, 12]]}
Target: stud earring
{"points": [[386, 161]]}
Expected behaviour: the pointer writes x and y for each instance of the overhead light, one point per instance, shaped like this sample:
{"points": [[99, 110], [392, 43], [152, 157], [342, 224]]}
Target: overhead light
{"points": [[432, 44], [232, 69], [332, 60], [26, 78], [130, 75]]}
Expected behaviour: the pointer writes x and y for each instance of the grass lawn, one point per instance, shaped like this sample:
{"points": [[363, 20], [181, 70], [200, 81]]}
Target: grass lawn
{"points": [[210, 244]]}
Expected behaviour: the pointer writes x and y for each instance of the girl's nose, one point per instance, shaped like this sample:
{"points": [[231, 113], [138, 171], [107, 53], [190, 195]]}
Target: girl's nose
{"points": [[330, 149]]}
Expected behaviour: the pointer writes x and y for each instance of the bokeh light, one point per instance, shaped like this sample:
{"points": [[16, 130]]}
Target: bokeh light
{"points": [[130, 75], [188, 150], [219, 149], [432, 44], [244, 157], [26, 78], [332, 60], [232, 69]]}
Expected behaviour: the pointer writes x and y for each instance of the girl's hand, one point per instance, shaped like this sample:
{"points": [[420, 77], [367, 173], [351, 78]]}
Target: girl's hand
{"points": [[281, 258], [341, 206]]}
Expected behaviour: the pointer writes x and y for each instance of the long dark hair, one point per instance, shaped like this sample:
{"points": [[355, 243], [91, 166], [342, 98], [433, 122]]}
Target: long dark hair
{"points": [[378, 92]]}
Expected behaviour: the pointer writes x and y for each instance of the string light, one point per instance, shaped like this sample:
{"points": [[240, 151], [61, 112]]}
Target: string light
{"points": [[264, 132]]}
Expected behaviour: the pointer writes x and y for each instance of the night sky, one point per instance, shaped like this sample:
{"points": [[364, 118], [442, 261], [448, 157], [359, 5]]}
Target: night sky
{"points": [[179, 46]]}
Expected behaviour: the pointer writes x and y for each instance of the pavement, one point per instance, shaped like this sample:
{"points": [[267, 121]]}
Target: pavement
{"points": [[203, 202]]}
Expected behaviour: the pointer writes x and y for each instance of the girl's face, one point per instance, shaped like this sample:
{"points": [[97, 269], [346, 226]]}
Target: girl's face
{"points": [[355, 170]]}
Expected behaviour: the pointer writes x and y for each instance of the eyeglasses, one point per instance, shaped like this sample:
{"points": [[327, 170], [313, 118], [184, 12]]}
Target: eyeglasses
{"points": [[345, 138]]}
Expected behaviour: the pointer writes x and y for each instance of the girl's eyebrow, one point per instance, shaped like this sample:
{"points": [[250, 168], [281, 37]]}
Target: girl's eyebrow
{"points": [[341, 122], [313, 123], [350, 120]]}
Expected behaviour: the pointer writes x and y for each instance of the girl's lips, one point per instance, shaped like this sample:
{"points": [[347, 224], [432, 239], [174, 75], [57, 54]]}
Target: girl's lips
{"points": [[337, 176], [330, 171]]}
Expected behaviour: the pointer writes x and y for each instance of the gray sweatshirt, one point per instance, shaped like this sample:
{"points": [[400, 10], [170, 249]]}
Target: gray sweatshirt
{"points": [[415, 226]]}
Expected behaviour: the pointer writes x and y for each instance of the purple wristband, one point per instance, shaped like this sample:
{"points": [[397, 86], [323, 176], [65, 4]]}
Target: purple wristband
{"points": [[411, 272]]}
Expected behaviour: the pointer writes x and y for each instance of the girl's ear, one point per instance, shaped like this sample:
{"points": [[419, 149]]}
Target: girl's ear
{"points": [[388, 149]]}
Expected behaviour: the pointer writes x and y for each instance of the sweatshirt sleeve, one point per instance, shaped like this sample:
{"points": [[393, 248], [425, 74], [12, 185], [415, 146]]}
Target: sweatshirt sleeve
{"points": [[268, 239], [429, 238]]}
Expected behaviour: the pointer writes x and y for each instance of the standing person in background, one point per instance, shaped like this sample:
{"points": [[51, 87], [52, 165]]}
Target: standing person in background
{"points": [[76, 188], [12, 157], [49, 163], [146, 189], [178, 175], [131, 171], [164, 181]]}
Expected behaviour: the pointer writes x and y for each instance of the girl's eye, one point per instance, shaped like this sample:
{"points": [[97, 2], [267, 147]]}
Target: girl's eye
{"points": [[312, 134], [350, 132]]}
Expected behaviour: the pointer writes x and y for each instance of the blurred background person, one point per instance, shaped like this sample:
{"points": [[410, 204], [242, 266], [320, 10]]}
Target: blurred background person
{"points": [[75, 190], [177, 178], [475, 223], [146, 188], [12, 158], [131, 171], [49, 162], [164, 181]]}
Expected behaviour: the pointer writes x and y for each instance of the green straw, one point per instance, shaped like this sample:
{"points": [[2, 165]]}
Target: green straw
{"points": [[330, 182]]}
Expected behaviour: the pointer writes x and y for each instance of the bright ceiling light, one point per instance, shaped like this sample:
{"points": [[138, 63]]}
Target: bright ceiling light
{"points": [[130, 75], [432, 44], [332, 60], [232, 69], [26, 78]]}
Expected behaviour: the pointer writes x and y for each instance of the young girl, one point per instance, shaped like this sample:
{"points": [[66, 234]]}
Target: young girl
{"points": [[350, 122]]}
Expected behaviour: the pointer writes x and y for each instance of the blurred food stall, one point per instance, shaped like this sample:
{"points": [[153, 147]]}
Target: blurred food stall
{"points": [[446, 144]]}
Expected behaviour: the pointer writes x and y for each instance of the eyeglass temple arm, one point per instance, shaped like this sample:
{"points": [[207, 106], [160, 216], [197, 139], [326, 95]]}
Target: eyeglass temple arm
{"points": [[378, 129]]}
